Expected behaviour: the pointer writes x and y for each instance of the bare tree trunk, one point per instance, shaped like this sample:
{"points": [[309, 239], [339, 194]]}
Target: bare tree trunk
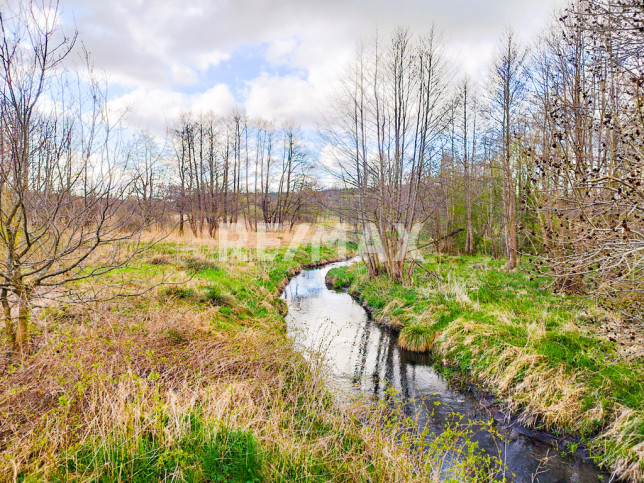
{"points": [[467, 161], [509, 87], [22, 327], [8, 321]]}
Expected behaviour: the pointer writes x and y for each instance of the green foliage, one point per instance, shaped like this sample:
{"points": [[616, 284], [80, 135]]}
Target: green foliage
{"points": [[207, 452]]}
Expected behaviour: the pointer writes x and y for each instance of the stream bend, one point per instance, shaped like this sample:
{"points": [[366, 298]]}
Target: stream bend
{"points": [[365, 359]]}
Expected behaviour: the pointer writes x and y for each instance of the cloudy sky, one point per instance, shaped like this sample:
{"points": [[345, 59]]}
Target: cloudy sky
{"points": [[276, 59]]}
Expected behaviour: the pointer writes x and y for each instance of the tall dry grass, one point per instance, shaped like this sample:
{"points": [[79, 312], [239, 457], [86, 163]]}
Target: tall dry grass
{"points": [[239, 236], [107, 376]]}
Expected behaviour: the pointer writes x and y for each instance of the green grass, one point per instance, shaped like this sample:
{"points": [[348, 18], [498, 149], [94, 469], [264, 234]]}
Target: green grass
{"points": [[207, 452], [417, 337], [195, 380], [144, 341], [540, 351]]}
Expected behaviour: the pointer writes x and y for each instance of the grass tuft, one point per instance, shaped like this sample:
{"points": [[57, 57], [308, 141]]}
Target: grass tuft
{"points": [[417, 338], [160, 259], [179, 292], [196, 264], [215, 296]]}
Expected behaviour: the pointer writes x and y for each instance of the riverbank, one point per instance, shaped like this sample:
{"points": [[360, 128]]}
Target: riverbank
{"points": [[564, 364], [193, 380]]}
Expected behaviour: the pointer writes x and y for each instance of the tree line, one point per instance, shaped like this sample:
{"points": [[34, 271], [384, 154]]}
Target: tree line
{"points": [[542, 158], [232, 169]]}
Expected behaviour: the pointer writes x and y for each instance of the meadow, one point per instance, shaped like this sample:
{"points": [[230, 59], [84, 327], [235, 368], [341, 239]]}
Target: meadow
{"points": [[192, 378]]}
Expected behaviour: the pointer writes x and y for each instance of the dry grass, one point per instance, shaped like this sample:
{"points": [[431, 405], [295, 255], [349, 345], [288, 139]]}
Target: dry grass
{"points": [[105, 377], [115, 380], [240, 237], [546, 395], [621, 434]]}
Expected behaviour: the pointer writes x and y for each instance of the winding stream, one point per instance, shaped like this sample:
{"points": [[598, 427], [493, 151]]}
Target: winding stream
{"points": [[364, 358]]}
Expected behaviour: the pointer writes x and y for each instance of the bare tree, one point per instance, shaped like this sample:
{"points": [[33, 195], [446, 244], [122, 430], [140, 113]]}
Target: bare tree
{"points": [[148, 175], [468, 106], [508, 88], [388, 120], [588, 156], [66, 213], [231, 167]]}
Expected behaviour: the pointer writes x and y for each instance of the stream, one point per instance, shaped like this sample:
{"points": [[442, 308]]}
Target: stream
{"points": [[364, 359]]}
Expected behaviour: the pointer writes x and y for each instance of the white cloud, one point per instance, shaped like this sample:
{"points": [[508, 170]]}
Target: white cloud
{"points": [[469, 56], [211, 59], [280, 51], [284, 99], [143, 40], [152, 109], [329, 156], [164, 49], [217, 99], [183, 75]]}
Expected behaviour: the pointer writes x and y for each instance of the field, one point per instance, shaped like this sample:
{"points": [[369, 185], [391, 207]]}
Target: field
{"points": [[194, 379], [565, 364]]}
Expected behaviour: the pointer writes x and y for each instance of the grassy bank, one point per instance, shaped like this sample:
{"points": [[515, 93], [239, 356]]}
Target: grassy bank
{"points": [[563, 363], [195, 380]]}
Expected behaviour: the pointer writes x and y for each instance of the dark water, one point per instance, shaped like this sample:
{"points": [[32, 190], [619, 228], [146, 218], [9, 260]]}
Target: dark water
{"points": [[364, 359]]}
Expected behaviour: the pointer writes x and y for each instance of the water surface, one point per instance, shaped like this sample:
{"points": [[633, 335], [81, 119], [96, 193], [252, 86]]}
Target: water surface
{"points": [[365, 359]]}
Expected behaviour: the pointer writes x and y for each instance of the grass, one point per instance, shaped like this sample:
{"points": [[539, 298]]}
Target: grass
{"points": [[204, 453], [195, 380], [563, 363], [416, 337]]}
